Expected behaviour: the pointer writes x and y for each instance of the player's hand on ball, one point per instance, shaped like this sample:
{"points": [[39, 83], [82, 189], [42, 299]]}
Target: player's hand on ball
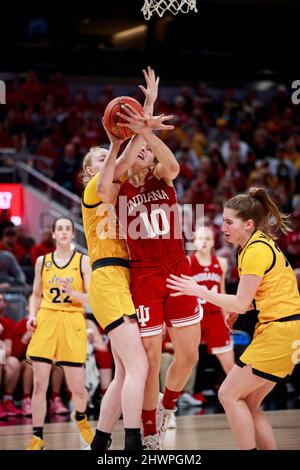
{"points": [[113, 139]]}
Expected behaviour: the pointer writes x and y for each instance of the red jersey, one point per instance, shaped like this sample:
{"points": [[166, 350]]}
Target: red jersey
{"points": [[208, 276], [6, 330], [151, 220], [19, 348]]}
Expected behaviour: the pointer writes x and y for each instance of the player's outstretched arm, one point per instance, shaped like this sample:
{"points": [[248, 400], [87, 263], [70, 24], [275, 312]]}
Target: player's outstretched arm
{"points": [[106, 190], [247, 288], [126, 160], [168, 166]]}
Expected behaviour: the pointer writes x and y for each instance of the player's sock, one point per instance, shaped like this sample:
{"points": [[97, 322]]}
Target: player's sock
{"points": [[38, 432], [149, 422], [79, 416], [169, 399], [133, 440], [101, 440]]}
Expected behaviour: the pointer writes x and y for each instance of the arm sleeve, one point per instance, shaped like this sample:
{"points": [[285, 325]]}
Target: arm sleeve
{"points": [[256, 260], [90, 196]]}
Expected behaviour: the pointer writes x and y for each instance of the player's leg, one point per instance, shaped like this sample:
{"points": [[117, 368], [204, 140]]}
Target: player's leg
{"points": [[12, 370], [152, 345], [3, 414], [150, 310], [56, 404], [166, 359], [126, 341], [186, 342], [226, 360], [264, 433], [75, 377], [27, 383], [111, 407], [239, 383], [182, 316], [104, 362], [41, 376], [218, 339]]}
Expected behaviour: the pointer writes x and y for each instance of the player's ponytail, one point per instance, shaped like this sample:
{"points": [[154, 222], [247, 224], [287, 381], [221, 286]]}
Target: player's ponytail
{"points": [[258, 206]]}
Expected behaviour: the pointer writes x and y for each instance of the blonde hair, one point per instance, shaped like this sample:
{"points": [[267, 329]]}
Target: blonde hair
{"points": [[258, 206], [84, 177]]}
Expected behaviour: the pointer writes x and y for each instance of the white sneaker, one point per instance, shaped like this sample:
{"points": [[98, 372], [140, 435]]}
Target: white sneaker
{"points": [[172, 422], [151, 442], [188, 400], [163, 417]]}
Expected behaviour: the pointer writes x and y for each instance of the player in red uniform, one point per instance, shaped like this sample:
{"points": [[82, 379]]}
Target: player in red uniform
{"points": [[9, 365], [209, 270], [154, 240]]}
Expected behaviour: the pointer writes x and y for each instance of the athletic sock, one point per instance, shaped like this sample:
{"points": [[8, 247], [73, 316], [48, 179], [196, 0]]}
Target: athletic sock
{"points": [[149, 422], [101, 441], [133, 440], [38, 432], [169, 399], [79, 416]]}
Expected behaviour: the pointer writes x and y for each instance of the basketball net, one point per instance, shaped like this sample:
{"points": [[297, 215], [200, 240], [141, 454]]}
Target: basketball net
{"points": [[174, 6]]}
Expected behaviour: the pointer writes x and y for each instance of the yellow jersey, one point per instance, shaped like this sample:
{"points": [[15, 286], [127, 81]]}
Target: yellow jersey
{"points": [[53, 296], [101, 226], [277, 296]]}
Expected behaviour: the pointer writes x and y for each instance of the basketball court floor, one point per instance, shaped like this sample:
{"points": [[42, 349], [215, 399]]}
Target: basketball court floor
{"points": [[206, 432]]}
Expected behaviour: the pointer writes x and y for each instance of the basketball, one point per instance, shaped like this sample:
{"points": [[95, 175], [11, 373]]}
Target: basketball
{"points": [[111, 119]]}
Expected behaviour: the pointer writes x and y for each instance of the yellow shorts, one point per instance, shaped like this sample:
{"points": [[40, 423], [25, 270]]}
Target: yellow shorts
{"points": [[60, 336], [109, 296], [274, 350]]}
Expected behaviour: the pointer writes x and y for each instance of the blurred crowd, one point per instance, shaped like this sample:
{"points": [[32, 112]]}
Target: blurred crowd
{"points": [[223, 143], [16, 375]]}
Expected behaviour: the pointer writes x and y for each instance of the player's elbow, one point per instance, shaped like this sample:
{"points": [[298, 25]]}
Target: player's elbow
{"points": [[173, 170]]}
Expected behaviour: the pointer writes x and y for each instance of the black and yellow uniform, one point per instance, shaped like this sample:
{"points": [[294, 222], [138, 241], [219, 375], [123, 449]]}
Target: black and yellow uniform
{"points": [[277, 300], [60, 335], [109, 293]]}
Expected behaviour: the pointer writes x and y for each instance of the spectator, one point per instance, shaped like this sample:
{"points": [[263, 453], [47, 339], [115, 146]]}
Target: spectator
{"points": [[47, 245], [10, 371], [5, 220], [68, 167], [236, 146], [9, 243], [10, 270]]}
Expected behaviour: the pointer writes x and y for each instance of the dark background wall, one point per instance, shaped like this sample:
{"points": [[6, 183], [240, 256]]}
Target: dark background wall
{"points": [[238, 39]]}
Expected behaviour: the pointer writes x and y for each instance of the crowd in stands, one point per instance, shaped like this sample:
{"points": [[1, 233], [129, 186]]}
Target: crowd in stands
{"points": [[223, 143], [16, 375], [224, 139]]}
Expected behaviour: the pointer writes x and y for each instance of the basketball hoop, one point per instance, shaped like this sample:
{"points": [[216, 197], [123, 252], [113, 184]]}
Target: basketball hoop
{"points": [[174, 6]]}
